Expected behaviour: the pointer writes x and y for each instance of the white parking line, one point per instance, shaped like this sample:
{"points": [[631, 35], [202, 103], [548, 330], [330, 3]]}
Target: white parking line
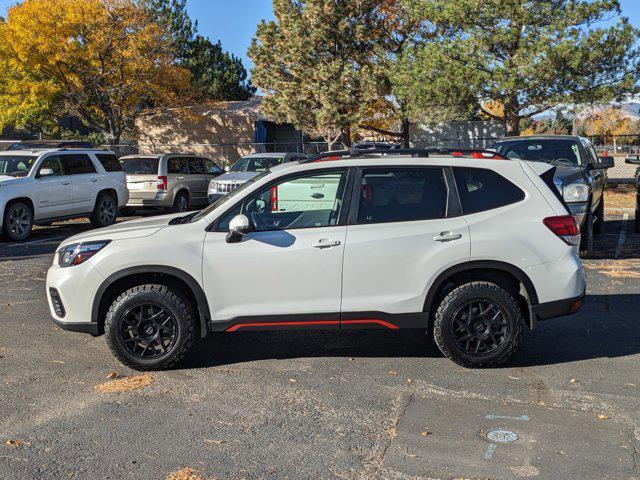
{"points": [[622, 237]]}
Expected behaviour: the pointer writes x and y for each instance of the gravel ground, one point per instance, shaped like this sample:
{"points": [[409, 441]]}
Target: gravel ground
{"points": [[339, 405]]}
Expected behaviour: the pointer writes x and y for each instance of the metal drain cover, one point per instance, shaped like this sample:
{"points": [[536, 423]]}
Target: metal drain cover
{"points": [[502, 436]]}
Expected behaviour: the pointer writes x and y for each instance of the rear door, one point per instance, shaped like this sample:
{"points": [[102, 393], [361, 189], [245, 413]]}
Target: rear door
{"points": [[403, 232], [198, 180], [85, 180], [54, 193]]}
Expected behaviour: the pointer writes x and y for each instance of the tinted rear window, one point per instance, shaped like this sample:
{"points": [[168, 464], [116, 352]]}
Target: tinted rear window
{"points": [[140, 166], [550, 151], [109, 162], [77, 164], [482, 189]]}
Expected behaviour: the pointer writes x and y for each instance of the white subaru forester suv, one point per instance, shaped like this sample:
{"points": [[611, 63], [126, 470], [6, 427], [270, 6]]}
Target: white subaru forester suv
{"points": [[39, 186], [468, 245]]}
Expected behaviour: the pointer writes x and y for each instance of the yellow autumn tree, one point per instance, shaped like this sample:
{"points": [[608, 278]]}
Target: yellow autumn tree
{"points": [[100, 60], [608, 123]]}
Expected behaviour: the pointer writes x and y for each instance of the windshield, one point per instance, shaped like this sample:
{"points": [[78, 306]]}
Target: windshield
{"points": [[227, 197], [16, 165], [563, 152], [140, 166], [255, 164]]}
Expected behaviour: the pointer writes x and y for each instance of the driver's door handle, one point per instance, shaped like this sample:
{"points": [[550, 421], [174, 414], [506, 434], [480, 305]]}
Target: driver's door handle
{"points": [[447, 237], [325, 243]]}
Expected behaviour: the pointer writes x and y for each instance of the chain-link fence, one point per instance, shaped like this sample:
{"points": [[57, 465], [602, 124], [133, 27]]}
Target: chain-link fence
{"points": [[619, 147]]}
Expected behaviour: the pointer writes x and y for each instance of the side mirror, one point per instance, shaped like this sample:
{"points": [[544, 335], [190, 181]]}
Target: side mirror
{"points": [[606, 162], [45, 172], [238, 226], [227, 168], [633, 159]]}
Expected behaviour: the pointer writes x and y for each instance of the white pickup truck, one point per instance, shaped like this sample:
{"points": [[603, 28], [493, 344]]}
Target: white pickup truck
{"points": [[39, 186]]}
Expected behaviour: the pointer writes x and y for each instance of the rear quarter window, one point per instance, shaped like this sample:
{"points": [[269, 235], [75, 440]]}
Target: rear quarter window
{"points": [[481, 189], [109, 162]]}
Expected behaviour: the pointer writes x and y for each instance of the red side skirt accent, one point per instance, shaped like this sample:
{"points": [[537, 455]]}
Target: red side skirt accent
{"points": [[382, 323]]}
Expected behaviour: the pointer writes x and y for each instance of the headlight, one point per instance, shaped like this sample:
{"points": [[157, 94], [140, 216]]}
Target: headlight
{"points": [[78, 253], [575, 192]]}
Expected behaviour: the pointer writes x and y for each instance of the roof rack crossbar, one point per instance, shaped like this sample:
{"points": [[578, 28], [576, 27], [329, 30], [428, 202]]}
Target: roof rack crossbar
{"points": [[414, 152]]}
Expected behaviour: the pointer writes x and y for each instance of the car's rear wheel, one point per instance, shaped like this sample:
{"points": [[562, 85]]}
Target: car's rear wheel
{"points": [[478, 324], [181, 202], [150, 327], [105, 212], [18, 221], [598, 225], [586, 240]]}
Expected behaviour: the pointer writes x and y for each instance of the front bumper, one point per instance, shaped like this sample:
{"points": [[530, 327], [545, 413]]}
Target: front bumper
{"points": [[90, 328]]}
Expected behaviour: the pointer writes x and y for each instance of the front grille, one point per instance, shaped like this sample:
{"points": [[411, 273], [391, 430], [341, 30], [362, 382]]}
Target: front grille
{"points": [[226, 187], [58, 307]]}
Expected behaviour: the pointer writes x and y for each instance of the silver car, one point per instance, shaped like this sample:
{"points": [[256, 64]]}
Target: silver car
{"points": [[175, 181], [245, 169]]}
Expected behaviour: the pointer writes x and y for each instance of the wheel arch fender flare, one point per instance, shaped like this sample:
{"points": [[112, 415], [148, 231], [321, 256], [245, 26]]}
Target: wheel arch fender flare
{"points": [[441, 279], [186, 278]]}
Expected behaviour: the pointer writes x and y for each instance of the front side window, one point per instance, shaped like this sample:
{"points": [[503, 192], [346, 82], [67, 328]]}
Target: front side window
{"points": [[50, 166], [556, 152], [16, 165], [402, 195], [481, 189], [77, 164], [310, 201], [255, 164]]}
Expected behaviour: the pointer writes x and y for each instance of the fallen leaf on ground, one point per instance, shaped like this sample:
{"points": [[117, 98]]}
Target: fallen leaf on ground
{"points": [[292, 380], [113, 375], [14, 443], [573, 380], [184, 474], [392, 372], [125, 384], [513, 378], [217, 442], [603, 417], [56, 361], [425, 434]]}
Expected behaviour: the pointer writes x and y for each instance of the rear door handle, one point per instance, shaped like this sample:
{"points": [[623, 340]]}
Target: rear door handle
{"points": [[66, 183], [94, 180], [447, 237], [325, 243]]}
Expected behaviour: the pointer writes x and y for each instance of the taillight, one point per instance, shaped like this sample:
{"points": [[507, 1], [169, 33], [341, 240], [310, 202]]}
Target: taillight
{"points": [[566, 227], [274, 199], [162, 182]]}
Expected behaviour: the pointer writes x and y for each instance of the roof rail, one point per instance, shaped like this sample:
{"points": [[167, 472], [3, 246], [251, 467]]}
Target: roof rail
{"points": [[414, 152]]}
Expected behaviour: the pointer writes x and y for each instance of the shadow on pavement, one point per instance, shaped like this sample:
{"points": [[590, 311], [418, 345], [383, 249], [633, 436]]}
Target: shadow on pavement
{"points": [[607, 327]]}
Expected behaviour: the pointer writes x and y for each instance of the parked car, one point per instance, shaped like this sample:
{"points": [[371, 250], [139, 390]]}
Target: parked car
{"points": [[468, 245], [47, 144], [245, 169], [635, 160], [174, 180], [580, 175], [46, 185]]}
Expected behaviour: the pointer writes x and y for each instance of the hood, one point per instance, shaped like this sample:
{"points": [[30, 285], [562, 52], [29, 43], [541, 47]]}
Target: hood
{"points": [[7, 179], [236, 177], [143, 227]]}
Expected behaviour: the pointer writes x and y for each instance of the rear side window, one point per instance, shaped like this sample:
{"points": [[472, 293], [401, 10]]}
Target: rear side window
{"points": [[177, 165], [402, 195], [481, 189], [77, 164], [109, 162], [140, 166]]}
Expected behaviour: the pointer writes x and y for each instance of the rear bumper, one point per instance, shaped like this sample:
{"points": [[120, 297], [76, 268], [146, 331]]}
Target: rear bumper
{"points": [[558, 308], [158, 199]]}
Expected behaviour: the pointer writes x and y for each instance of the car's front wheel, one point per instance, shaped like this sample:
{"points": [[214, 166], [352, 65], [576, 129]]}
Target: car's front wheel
{"points": [[150, 327], [18, 221], [478, 324]]}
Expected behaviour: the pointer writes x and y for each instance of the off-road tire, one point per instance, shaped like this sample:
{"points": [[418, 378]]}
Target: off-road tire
{"points": [[586, 240], [105, 212], [598, 226], [174, 302], [454, 301], [17, 222]]}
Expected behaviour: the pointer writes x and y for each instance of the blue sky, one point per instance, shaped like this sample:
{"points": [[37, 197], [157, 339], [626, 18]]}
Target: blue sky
{"points": [[234, 22]]}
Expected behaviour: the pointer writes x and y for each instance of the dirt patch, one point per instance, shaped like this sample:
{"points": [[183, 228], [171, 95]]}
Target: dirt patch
{"points": [[619, 273], [125, 384], [184, 474], [620, 196]]}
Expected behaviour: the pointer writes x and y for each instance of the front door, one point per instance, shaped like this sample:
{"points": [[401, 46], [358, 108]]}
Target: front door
{"points": [[288, 271], [397, 243], [54, 193]]}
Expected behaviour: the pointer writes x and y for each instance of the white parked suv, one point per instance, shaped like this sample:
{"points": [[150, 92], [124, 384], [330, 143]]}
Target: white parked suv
{"points": [[469, 245], [39, 186]]}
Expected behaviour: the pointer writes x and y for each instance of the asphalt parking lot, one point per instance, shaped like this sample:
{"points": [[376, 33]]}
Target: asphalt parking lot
{"points": [[340, 405]]}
